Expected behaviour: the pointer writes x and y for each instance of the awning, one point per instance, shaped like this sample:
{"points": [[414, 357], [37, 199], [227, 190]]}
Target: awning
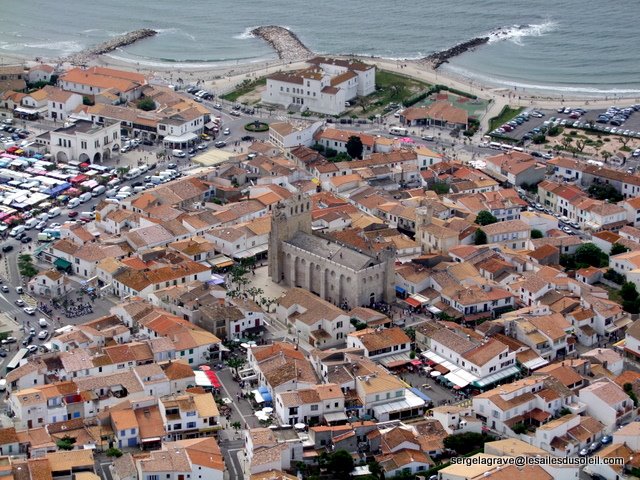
{"points": [[410, 401], [416, 363], [434, 310], [187, 137], [257, 396], [252, 252], [420, 298], [618, 324], [456, 380], [414, 303], [151, 439], [62, 263], [400, 290], [213, 378], [335, 417], [422, 395], [496, 377]]}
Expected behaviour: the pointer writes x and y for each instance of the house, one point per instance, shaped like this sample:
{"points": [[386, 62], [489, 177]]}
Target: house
{"points": [[325, 86], [632, 210], [608, 403], [513, 234], [384, 396], [285, 135], [567, 435], [271, 449], [335, 139], [93, 81], [380, 342], [616, 461], [61, 104], [439, 114], [82, 141], [49, 283], [311, 406], [12, 77], [40, 73], [517, 168], [313, 319], [632, 340], [403, 462], [456, 420]]}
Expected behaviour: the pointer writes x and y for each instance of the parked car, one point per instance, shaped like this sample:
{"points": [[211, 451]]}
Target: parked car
{"points": [[5, 289], [26, 239], [29, 311], [19, 302]]}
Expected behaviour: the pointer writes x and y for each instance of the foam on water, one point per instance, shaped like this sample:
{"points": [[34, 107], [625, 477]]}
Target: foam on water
{"points": [[246, 34], [516, 33]]}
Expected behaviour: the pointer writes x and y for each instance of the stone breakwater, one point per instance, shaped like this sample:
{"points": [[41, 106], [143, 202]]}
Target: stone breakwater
{"points": [[87, 54], [286, 43], [438, 58]]}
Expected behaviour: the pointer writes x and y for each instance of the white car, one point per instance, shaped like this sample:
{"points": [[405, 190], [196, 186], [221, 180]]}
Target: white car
{"points": [[43, 334], [29, 310], [32, 348]]}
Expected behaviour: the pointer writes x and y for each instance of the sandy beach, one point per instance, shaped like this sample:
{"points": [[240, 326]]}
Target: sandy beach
{"points": [[223, 78]]}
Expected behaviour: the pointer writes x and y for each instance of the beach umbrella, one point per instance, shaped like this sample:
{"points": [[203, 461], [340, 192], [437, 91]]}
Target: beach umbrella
{"points": [[267, 410], [205, 368], [299, 426], [435, 373]]}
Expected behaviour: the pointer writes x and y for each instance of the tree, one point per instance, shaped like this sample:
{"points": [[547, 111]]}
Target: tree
{"points": [[590, 254], [480, 238], [617, 248], [539, 138], [605, 192], [466, 442], [87, 101], [114, 452], [147, 104], [25, 266], [535, 233], [236, 426], [235, 364], [253, 292], [66, 443], [580, 144], [485, 217], [628, 291], [363, 103], [354, 147], [341, 463]]}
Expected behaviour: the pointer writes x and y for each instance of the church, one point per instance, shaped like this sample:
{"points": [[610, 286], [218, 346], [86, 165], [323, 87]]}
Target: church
{"points": [[335, 272]]}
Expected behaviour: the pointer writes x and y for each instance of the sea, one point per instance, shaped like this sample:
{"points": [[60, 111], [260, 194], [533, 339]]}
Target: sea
{"points": [[574, 46]]}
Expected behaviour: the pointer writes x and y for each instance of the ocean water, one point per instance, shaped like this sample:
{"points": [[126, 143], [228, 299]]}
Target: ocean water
{"points": [[574, 45]]}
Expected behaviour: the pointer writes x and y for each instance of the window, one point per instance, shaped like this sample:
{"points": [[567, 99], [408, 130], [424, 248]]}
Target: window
{"points": [[191, 424], [314, 408], [153, 477], [191, 414]]}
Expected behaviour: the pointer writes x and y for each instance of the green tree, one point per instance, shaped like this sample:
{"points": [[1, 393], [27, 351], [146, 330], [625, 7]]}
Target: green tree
{"points": [[519, 428], [466, 442], [253, 292], [354, 147], [535, 233], [485, 217], [341, 463], [114, 452], [235, 364], [87, 101], [25, 266], [617, 248], [236, 426], [375, 468], [605, 192], [440, 188], [628, 291], [66, 443], [538, 139], [628, 388], [480, 238], [147, 104], [590, 254]]}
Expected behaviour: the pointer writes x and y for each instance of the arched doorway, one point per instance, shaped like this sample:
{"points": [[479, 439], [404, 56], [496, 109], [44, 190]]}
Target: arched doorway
{"points": [[61, 157], [106, 155], [96, 157], [84, 158]]}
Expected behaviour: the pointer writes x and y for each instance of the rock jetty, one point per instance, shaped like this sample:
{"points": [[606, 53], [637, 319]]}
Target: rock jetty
{"points": [[438, 58], [286, 43], [110, 45]]}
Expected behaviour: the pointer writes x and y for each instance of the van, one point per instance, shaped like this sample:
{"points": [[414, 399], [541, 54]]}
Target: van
{"points": [[114, 201], [17, 230], [156, 179], [54, 212], [43, 323], [99, 190], [52, 232], [3, 384], [88, 214], [166, 174], [125, 189], [44, 237], [178, 153], [112, 193], [139, 189], [43, 217], [131, 174], [398, 131], [123, 196], [73, 203], [114, 183], [85, 197], [32, 222], [143, 169]]}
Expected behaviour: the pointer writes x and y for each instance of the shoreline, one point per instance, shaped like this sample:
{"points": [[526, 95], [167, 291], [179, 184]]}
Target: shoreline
{"points": [[224, 76]]}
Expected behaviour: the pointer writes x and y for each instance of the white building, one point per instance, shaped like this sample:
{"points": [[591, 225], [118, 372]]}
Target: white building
{"points": [[285, 135], [324, 87], [607, 402], [311, 406], [82, 141]]}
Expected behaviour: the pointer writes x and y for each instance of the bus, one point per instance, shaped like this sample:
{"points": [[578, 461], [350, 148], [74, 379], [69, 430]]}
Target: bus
{"points": [[398, 131], [15, 361]]}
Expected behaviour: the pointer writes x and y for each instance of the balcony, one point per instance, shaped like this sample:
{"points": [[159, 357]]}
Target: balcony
{"points": [[577, 407]]}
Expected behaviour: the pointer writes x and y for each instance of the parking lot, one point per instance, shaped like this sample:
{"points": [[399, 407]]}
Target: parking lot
{"points": [[564, 119]]}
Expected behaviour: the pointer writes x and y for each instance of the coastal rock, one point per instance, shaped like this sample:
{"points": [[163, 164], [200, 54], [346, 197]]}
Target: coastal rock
{"points": [[110, 45], [286, 43], [438, 58]]}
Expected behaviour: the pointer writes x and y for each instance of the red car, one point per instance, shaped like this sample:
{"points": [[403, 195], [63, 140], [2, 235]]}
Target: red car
{"points": [[72, 214]]}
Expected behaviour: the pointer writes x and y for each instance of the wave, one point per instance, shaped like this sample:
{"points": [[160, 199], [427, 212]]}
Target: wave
{"points": [[62, 47], [186, 63], [248, 33], [516, 33]]}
